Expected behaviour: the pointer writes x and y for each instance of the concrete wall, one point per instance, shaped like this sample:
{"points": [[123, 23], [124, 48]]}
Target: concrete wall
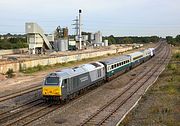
{"points": [[4, 67], [53, 60], [13, 51]]}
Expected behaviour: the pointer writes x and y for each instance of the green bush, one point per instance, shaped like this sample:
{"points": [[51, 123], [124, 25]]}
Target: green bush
{"points": [[33, 69], [172, 66], [177, 55], [10, 73]]}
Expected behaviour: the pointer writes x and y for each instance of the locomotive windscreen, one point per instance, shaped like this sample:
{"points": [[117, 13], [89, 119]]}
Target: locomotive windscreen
{"points": [[52, 81]]}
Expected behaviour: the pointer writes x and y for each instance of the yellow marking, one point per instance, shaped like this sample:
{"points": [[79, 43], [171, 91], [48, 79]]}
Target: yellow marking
{"points": [[51, 90]]}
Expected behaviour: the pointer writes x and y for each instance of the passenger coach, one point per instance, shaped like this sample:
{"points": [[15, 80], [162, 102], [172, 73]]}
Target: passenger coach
{"points": [[116, 66]]}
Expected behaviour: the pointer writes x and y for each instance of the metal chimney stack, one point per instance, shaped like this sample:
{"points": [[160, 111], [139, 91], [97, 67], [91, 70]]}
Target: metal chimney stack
{"points": [[80, 34]]}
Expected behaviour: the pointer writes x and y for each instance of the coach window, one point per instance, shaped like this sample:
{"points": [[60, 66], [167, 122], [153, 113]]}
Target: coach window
{"points": [[109, 68]]}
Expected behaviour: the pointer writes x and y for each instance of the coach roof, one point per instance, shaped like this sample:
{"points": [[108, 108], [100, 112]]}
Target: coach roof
{"points": [[117, 59]]}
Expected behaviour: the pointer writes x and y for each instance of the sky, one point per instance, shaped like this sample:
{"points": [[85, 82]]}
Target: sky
{"points": [[111, 17]]}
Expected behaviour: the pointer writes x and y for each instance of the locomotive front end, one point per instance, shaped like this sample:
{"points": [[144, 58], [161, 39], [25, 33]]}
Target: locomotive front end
{"points": [[51, 87]]}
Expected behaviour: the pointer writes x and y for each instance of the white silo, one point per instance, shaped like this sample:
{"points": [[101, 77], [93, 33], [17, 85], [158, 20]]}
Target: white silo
{"points": [[98, 36], [106, 42]]}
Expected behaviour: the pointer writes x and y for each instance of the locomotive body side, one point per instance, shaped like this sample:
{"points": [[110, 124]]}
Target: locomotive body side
{"points": [[72, 81]]}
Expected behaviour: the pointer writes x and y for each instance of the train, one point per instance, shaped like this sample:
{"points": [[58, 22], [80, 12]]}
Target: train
{"points": [[68, 83]]}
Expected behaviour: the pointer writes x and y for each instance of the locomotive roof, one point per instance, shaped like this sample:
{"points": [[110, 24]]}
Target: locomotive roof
{"points": [[66, 73], [117, 59]]}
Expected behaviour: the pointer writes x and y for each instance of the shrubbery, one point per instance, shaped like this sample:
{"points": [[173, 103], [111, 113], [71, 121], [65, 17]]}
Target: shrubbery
{"points": [[10, 73]]}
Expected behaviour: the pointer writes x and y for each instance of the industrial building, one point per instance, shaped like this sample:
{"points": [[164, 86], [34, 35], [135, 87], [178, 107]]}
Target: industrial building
{"points": [[36, 38], [59, 40], [40, 43]]}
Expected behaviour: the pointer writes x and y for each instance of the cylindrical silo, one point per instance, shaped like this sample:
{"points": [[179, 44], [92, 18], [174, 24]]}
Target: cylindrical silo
{"points": [[62, 44], [106, 42]]}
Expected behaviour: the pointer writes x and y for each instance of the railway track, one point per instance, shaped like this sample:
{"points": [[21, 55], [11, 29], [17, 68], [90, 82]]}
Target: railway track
{"points": [[28, 112], [19, 93], [32, 115], [15, 112], [38, 112], [108, 110]]}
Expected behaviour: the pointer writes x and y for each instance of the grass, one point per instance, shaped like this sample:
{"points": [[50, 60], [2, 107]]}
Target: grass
{"points": [[160, 105]]}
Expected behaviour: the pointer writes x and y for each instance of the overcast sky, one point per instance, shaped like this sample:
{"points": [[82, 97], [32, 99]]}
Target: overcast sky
{"points": [[117, 17]]}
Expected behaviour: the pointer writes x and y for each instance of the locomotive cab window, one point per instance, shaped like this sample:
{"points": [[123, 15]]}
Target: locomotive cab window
{"points": [[52, 81]]}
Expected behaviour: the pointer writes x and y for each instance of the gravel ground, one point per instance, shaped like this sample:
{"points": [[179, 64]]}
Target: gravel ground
{"points": [[20, 100]]}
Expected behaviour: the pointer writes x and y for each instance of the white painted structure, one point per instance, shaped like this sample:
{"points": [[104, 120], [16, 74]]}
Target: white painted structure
{"points": [[36, 38], [98, 37], [105, 42]]}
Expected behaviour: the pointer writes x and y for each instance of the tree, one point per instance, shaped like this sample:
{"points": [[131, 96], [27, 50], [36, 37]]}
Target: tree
{"points": [[127, 40], [177, 38], [111, 39]]}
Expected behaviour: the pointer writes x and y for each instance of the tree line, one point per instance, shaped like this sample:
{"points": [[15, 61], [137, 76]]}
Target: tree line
{"points": [[9, 41], [173, 40], [129, 40]]}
